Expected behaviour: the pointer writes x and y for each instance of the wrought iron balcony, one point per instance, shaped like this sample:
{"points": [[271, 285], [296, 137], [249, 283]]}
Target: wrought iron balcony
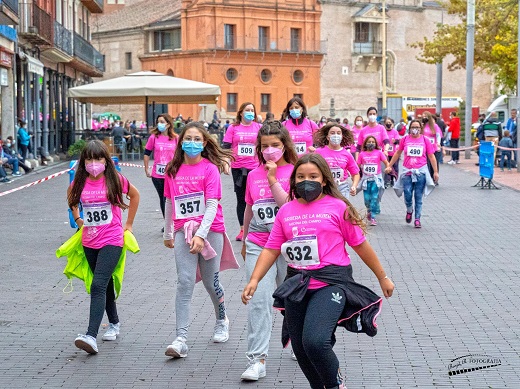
{"points": [[87, 53], [368, 48], [62, 38], [94, 6], [36, 25], [8, 12]]}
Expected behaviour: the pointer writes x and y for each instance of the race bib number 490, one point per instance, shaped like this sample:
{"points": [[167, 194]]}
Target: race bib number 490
{"points": [[265, 211], [301, 251], [97, 214], [246, 150], [415, 151], [189, 205]]}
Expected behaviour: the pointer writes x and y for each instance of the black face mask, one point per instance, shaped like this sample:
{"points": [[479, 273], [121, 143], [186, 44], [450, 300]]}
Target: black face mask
{"points": [[308, 190], [388, 125], [370, 146]]}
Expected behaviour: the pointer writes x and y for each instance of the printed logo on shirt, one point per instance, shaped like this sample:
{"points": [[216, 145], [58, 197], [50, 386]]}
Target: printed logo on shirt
{"points": [[181, 189], [262, 192], [336, 297], [295, 231]]}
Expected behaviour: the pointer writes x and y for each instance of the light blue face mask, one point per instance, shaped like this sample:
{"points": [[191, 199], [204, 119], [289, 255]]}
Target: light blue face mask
{"points": [[295, 113], [161, 127], [249, 116], [192, 148]]}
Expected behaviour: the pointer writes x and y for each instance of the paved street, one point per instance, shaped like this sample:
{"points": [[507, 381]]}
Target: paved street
{"points": [[457, 283]]}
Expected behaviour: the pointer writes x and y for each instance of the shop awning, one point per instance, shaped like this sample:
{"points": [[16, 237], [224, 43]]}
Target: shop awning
{"points": [[34, 65]]}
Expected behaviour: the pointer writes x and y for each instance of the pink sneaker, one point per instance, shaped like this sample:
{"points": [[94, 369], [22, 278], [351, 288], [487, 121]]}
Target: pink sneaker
{"points": [[373, 222], [240, 236]]}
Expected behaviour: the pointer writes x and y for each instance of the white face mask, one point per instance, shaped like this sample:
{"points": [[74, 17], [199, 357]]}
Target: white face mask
{"points": [[335, 139], [372, 118], [359, 123], [415, 131]]}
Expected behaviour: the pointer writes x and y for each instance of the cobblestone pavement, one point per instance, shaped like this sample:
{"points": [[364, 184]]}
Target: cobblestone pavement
{"points": [[456, 286]]}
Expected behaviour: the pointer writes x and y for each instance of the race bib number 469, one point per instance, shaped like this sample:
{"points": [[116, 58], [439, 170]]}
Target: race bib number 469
{"points": [[97, 214], [369, 169], [189, 205], [160, 169], [301, 251]]}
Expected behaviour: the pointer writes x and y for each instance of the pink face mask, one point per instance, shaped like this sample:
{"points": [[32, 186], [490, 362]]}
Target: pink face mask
{"points": [[272, 154], [95, 168]]}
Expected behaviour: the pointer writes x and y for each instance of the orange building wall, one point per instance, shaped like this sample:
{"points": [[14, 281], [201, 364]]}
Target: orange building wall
{"points": [[203, 57]]}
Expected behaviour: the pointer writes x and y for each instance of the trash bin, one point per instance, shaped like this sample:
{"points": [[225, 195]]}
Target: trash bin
{"points": [[486, 159]]}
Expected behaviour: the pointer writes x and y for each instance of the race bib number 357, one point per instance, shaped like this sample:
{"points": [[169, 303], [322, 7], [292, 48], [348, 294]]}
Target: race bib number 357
{"points": [[189, 205], [301, 251]]}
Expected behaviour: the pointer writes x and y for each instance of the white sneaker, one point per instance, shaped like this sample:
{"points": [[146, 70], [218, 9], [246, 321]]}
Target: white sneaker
{"points": [[112, 332], [178, 348], [221, 333], [452, 162], [293, 357], [254, 371], [87, 343]]}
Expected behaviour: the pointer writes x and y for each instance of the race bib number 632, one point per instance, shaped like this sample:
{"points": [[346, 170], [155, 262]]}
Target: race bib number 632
{"points": [[301, 251]]}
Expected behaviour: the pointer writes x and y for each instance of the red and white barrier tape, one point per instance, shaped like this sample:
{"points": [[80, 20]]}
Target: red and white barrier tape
{"points": [[34, 183]]}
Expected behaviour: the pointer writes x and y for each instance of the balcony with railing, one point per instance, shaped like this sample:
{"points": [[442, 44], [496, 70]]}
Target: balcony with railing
{"points": [[94, 6], [368, 48], [62, 38], [83, 50], [36, 25], [8, 12]]}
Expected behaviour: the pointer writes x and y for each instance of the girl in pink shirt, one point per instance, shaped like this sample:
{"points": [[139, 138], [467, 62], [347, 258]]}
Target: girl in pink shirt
{"points": [[372, 183], [300, 127], [331, 141], [393, 137], [100, 188], [319, 293], [267, 190], [373, 129], [415, 181], [240, 137], [356, 129], [162, 143], [194, 227]]}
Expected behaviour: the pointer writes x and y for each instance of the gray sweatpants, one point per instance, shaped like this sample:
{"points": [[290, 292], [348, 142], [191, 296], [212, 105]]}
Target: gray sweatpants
{"points": [[260, 307], [186, 264]]}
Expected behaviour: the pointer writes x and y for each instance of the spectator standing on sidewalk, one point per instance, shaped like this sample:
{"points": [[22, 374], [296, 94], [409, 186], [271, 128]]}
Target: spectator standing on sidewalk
{"points": [[23, 140], [454, 130], [511, 126]]}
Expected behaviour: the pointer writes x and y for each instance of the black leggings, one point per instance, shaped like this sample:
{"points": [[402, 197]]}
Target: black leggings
{"points": [[102, 262], [240, 179], [312, 323], [437, 155], [159, 187]]}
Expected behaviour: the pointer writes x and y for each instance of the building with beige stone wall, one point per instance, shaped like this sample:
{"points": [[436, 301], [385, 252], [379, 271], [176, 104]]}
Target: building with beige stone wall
{"points": [[352, 67]]}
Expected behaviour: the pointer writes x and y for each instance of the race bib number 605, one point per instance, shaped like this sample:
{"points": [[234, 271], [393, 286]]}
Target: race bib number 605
{"points": [[415, 151], [301, 251], [265, 211]]}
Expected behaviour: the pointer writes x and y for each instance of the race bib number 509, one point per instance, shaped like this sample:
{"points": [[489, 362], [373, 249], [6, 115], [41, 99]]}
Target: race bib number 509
{"points": [[97, 214]]}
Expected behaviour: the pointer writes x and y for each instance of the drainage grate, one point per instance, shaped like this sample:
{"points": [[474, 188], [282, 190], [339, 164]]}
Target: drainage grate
{"points": [[5, 323]]}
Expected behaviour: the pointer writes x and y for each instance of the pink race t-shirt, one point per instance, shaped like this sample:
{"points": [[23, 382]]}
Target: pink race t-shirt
{"points": [[370, 162], [243, 144], [431, 136], [415, 151], [259, 196], [163, 150], [301, 134], [190, 189], [102, 224], [378, 132], [355, 131], [312, 236], [393, 135], [341, 162]]}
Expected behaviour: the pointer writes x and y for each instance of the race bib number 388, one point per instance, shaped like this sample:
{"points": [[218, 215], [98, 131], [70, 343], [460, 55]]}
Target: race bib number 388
{"points": [[97, 214], [415, 151], [189, 205], [301, 251]]}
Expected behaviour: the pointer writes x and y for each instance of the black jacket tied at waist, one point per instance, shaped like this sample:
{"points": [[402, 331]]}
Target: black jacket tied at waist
{"points": [[362, 305]]}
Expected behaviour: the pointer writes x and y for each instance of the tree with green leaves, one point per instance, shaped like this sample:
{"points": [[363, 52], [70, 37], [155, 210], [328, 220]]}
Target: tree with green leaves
{"points": [[496, 43]]}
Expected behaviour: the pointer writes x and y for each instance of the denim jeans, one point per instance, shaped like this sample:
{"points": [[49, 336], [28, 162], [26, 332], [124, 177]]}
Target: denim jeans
{"points": [[371, 195], [14, 162], [504, 154], [414, 190]]}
